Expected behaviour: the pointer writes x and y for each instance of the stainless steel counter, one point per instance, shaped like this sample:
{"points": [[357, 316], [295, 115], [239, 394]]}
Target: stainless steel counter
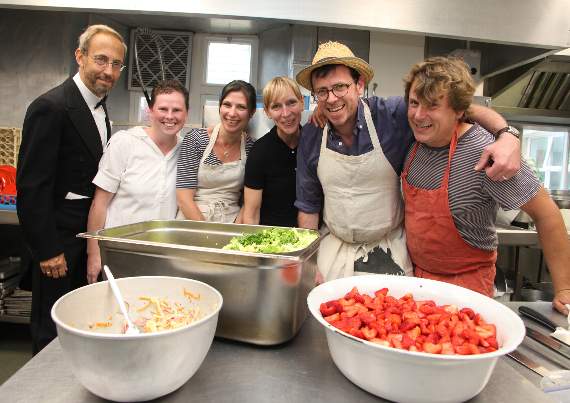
{"points": [[515, 236], [300, 370]]}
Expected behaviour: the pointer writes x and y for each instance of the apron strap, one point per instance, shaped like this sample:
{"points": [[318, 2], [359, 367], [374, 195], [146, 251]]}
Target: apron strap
{"points": [[211, 143], [452, 147]]}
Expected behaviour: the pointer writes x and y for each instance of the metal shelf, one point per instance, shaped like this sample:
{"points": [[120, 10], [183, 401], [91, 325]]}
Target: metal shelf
{"points": [[15, 319]]}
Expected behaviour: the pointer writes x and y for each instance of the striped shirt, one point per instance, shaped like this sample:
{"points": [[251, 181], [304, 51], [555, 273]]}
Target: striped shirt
{"points": [[473, 197], [191, 151]]}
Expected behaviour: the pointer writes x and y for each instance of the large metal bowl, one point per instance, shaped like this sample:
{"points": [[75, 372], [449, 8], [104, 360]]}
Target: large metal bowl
{"points": [[128, 368], [264, 294], [414, 377]]}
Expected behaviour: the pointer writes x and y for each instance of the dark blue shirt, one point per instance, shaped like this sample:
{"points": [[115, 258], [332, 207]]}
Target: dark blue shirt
{"points": [[391, 122]]}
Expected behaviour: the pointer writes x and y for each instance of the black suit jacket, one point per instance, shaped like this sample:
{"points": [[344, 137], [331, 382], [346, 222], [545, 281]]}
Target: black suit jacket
{"points": [[60, 152]]}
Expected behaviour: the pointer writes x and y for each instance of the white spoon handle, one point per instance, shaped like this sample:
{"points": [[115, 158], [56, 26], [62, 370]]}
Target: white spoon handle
{"points": [[118, 296]]}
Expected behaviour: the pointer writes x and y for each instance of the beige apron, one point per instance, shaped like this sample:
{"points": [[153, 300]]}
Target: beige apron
{"points": [[363, 208], [219, 186]]}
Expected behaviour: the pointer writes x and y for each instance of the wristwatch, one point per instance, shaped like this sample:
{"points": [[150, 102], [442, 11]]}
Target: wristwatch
{"points": [[509, 129]]}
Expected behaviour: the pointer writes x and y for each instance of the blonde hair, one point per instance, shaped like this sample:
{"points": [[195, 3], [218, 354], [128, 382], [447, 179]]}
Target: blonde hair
{"points": [[277, 87], [442, 74], [92, 30]]}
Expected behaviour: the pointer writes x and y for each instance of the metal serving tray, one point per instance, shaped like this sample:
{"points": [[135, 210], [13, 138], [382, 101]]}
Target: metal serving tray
{"points": [[264, 294]]}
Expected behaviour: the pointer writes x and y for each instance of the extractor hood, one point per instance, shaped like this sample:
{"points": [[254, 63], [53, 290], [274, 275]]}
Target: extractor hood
{"points": [[542, 88]]}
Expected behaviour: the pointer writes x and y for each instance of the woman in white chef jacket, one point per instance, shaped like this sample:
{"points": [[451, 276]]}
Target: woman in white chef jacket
{"points": [[137, 173], [211, 166]]}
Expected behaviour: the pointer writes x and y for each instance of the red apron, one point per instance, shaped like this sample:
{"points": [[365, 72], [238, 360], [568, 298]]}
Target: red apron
{"points": [[437, 250]]}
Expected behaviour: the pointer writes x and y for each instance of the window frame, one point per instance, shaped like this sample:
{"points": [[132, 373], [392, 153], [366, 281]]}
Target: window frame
{"points": [[564, 167], [236, 39]]}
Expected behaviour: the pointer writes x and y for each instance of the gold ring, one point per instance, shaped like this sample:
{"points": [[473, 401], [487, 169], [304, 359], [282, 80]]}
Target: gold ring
{"points": [[48, 272]]}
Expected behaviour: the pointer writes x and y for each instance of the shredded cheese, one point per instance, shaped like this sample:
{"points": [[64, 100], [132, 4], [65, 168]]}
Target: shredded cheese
{"points": [[162, 315]]}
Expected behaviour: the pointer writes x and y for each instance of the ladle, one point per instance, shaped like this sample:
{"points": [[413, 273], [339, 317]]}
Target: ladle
{"points": [[131, 328]]}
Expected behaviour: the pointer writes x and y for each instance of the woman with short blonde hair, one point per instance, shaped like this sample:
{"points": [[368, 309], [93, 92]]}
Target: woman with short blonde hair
{"points": [[270, 177]]}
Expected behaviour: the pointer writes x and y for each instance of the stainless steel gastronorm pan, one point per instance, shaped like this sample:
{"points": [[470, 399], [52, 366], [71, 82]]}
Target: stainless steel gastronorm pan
{"points": [[264, 294]]}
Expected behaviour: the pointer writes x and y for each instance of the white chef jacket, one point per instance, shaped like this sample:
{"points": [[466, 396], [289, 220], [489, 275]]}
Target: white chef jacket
{"points": [[141, 176]]}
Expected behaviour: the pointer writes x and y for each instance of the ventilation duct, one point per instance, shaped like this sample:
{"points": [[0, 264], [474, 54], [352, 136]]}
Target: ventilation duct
{"points": [[175, 50]]}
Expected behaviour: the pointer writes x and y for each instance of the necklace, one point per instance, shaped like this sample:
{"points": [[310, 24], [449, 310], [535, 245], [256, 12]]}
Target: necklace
{"points": [[228, 149]]}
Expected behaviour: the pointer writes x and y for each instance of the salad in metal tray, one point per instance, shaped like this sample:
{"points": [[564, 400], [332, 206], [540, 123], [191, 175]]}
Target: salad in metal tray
{"points": [[273, 240]]}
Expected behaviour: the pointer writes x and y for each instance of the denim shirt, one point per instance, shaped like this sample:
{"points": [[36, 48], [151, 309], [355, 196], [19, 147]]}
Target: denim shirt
{"points": [[390, 120]]}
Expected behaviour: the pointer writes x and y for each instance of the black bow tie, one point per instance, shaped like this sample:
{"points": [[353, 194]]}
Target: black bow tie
{"points": [[107, 122], [102, 103]]}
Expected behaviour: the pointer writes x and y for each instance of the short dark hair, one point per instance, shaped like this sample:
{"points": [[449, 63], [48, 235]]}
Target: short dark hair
{"points": [[327, 68], [244, 87], [168, 87]]}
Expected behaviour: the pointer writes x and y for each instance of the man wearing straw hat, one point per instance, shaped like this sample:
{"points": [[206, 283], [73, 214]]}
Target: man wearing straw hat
{"points": [[355, 174]]}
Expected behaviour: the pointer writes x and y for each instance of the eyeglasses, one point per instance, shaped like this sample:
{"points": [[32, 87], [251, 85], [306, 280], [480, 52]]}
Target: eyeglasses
{"points": [[103, 61], [339, 90]]}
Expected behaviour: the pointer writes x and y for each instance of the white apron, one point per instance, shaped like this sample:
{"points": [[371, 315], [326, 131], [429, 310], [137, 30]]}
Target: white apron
{"points": [[363, 208], [219, 186]]}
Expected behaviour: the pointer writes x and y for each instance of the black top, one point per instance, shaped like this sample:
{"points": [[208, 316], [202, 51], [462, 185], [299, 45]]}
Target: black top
{"points": [[271, 167]]}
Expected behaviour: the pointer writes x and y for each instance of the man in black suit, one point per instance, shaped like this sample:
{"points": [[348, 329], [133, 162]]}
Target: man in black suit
{"points": [[63, 137]]}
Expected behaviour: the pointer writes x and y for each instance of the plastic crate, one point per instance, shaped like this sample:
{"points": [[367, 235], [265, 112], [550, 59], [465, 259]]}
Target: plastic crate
{"points": [[10, 138]]}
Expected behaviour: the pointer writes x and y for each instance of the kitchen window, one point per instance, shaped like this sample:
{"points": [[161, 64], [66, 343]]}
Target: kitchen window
{"points": [[229, 59], [546, 149]]}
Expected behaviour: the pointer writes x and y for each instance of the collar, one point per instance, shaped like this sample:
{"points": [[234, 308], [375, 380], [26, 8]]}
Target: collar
{"points": [[90, 99], [360, 119], [359, 124]]}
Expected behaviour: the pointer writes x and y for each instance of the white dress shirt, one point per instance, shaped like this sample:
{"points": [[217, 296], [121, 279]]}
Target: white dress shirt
{"points": [[92, 100], [98, 114], [142, 178]]}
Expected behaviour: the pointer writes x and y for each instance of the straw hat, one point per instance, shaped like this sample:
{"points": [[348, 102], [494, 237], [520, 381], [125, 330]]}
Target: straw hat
{"points": [[334, 53]]}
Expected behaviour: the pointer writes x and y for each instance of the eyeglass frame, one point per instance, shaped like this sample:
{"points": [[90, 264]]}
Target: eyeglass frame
{"points": [[101, 63], [316, 96]]}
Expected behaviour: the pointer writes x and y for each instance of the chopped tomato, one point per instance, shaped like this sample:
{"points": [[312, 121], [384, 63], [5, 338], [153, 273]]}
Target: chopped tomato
{"points": [[485, 331], [407, 341], [369, 333], [414, 333], [383, 292], [411, 325], [468, 312], [356, 333], [333, 318], [367, 317], [355, 295], [447, 348], [432, 348], [327, 310], [346, 302]]}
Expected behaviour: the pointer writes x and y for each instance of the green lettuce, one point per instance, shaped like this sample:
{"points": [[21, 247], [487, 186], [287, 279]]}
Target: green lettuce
{"points": [[274, 240]]}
